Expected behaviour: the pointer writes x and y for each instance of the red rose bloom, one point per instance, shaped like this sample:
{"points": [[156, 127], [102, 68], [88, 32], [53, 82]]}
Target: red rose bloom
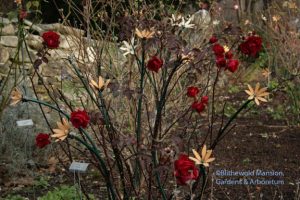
{"points": [[229, 55], [80, 119], [221, 62], [204, 100], [42, 140], [251, 46], [213, 40], [185, 170], [198, 106], [218, 50], [232, 65], [154, 64], [192, 91], [51, 39]]}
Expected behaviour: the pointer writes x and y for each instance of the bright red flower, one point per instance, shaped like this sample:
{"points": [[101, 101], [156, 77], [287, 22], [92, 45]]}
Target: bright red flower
{"points": [[204, 100], [251, 46], [80, 118], [232, 65], [42, 140], [51, 39], [198, 106], [229, 55], [218, 49], [221, 62], [185, 170], [154, 64], [213, 40], [192, 91]]}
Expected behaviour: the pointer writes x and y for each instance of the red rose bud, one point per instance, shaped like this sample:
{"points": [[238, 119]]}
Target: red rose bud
{"points": [[218, 49], [198, 106], [221, 62], [213, 40], [251, 46], [192, 91], [22, 14], [154, 64], [232, 65], [42, 140], [185, 170], [51, 39], [229, 55], [204, 100], [80, 119]]}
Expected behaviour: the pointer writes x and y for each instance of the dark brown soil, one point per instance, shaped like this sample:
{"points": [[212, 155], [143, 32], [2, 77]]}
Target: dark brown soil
{"points": [[259, 147]]}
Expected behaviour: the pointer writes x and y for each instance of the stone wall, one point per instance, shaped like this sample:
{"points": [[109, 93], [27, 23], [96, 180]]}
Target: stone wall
{"points": [[72, 41]]}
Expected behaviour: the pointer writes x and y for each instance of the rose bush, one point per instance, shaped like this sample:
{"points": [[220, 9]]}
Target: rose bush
{"points": [[141, 125]]}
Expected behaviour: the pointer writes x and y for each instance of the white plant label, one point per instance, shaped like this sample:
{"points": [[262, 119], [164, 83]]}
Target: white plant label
{"points": [[78, 167], [27, 122]]}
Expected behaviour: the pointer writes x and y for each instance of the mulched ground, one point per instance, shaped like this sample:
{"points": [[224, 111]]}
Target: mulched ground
{"points": [[259, 147]]}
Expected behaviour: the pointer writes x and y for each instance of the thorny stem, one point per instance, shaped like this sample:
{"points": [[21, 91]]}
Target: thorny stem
{"points": [[213, 107], [139, 112], [234, 116], [104, 170], [116, 151], [160, 107], [46, 104], [5, 82], [71, 61], [191, 192], [202, 171], [43, 112]]}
